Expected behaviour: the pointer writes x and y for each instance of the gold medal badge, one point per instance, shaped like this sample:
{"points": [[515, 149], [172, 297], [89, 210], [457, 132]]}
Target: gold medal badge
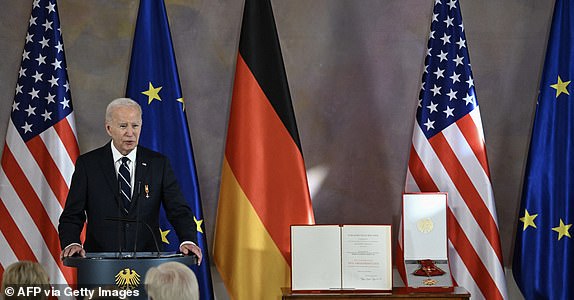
{"points": [[429, 282], [425, 225]]}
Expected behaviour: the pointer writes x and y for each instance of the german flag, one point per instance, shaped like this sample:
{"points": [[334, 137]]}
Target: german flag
{"points": [[263, 182]]}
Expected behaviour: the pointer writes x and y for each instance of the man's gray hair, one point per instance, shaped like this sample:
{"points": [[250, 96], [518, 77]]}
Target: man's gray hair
{"points": [[171, 281], [121, 102]]}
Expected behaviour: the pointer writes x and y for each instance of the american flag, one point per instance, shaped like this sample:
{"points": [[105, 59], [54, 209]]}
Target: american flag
{"points": [[448, 154], [40, 150]]}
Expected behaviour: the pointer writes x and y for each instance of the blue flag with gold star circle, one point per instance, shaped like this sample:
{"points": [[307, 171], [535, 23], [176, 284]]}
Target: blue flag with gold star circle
{"points": [[543, 255], [154, 83]]}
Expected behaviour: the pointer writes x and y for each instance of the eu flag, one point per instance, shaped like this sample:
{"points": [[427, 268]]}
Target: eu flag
{"points": [[544, 254], [154, 83]]}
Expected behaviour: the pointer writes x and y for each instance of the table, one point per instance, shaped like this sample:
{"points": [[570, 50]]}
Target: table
{"points": [[401, 293]]}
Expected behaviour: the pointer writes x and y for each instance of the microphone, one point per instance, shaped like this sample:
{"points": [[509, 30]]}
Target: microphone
{"points": [[126, 220]]}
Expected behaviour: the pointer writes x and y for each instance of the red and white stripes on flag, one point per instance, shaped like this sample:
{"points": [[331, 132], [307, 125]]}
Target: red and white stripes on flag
{"points": [[40, 150], [455, 161], [448, 154]]}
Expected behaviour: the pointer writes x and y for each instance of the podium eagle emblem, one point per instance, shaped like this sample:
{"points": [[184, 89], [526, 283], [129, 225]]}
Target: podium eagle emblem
{"points": [[127, 279]]}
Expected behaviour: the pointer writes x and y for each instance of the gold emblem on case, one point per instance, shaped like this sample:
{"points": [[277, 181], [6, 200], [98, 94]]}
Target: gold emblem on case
{"points": [[425, 225]]}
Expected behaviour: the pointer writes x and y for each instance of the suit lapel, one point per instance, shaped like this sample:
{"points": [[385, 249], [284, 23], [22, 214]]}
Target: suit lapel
{"points": [[109, 171], [142, 167]]}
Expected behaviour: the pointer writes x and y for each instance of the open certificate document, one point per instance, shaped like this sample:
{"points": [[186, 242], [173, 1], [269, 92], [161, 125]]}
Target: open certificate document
{"points": [[341, 257], [366, 257]]}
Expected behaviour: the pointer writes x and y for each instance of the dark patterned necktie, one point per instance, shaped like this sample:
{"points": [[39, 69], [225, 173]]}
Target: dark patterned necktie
{"points": [[125, 184]]}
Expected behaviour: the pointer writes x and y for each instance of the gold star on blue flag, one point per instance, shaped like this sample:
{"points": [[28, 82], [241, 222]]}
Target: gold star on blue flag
{"points": [[153, 76], [543, 265]]}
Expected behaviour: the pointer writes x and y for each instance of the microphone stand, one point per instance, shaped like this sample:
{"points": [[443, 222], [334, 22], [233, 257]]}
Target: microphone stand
{"points": [[137, 219], [120, 225], [154, 239], [125, 220]]}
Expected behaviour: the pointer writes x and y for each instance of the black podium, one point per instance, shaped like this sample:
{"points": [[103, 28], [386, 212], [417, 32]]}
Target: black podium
{"points": [[109, 273]]}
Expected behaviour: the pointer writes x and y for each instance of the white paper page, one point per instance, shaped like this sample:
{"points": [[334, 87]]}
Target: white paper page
{"points": [[366, 257], [315, 257]]}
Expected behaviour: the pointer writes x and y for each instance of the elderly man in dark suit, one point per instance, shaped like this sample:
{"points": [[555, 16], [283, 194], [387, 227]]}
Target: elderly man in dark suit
{"points": [[123, 181]]}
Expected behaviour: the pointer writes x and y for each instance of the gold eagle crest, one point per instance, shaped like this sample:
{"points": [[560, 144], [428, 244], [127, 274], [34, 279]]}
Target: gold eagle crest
{"points": [[127, 279]]}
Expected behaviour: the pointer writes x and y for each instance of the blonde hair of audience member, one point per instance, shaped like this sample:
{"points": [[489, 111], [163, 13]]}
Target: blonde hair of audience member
{"points": [[25, 273], [171, 281]]}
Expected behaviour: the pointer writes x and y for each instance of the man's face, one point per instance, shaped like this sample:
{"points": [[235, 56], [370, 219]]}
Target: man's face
{"points": [[124, 128]]}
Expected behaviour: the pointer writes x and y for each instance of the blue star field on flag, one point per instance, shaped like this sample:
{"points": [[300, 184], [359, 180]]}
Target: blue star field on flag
{"points": [[447, 93], [42, 96]]}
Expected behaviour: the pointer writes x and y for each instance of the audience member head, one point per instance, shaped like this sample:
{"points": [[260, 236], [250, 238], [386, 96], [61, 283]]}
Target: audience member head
{"points": [[171, 281], [25, 273]]}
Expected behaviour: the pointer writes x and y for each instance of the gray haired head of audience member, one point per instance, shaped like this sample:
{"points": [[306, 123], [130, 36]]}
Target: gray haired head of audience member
{"points": [[25, 273], [171, 281]]}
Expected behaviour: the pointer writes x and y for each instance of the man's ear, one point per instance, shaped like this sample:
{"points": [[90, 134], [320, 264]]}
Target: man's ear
{"points": [[108, 129]]}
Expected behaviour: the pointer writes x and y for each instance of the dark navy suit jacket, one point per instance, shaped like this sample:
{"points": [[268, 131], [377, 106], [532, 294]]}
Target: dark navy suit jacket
{"points": [[94, 194]]}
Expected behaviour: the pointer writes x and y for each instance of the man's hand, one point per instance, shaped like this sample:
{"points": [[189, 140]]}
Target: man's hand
{"points": [[72, 250], [188, 248]]}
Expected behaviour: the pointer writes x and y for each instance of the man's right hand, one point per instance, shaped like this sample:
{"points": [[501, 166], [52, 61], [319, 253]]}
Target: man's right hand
{"points": [[72, 250]]}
